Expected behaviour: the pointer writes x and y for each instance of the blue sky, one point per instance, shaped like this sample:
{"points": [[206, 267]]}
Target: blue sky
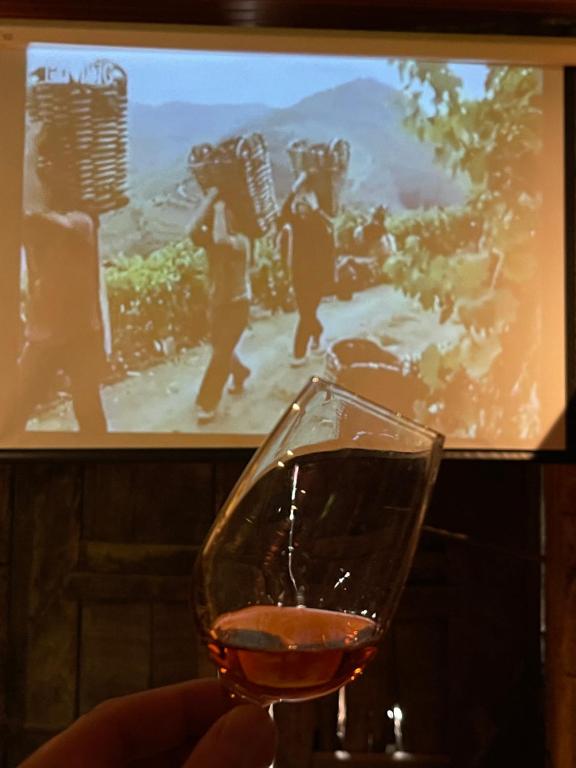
{"points": [[211, 77]]}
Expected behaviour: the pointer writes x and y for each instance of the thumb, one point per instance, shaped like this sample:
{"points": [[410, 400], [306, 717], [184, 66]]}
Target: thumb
{"points": [[245, 737]]}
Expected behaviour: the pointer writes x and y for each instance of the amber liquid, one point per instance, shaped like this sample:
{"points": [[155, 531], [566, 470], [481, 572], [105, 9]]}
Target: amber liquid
{"points": [[269, 653]]}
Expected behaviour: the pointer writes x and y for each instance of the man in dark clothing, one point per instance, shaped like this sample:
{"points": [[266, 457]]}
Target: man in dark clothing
{"points": [[374, 238], [307, 245], [64, 327], [228, 253]]}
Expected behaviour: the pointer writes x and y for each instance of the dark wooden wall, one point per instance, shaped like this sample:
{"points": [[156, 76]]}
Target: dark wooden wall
{"points": [[516, 16], [560, 510], [95, 579]]}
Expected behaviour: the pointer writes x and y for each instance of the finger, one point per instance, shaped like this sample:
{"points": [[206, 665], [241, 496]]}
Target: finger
{"points": [[250, 724], [133, 727], [173, 758], [243, 738]]}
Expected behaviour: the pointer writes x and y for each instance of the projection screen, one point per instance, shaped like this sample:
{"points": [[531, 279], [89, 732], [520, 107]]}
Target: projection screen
{"points": [[195, 222]]}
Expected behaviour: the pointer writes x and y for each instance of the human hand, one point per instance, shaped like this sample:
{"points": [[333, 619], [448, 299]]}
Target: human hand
{"points": [[191, 725]]}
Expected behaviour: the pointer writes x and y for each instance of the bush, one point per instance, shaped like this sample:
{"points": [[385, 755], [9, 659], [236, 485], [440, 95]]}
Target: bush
{"points": [[442, 231], [156, 302], [344, 226]]}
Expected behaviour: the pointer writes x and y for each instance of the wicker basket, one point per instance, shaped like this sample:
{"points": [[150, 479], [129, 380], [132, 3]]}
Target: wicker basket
{"points": [[82, 151], [240, 169], [326, 165]]}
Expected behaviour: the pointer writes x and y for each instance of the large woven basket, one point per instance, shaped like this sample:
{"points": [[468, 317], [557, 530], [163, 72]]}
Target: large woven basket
{"points": [[82, 153], [240, 169], [326, 166]]}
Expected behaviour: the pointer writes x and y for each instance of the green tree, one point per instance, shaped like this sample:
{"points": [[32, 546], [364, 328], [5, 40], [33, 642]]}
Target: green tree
{"points": [[493, 144]]}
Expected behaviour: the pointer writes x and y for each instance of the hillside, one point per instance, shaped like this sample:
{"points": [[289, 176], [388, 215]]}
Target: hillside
{"points": [[388, 164], [161, 136]]}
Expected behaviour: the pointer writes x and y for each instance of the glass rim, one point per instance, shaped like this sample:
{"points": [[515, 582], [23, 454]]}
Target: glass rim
{"points": [[379, 410]]}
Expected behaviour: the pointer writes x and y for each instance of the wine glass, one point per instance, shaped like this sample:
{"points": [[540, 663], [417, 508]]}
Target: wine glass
{"points": [[300, 574]]}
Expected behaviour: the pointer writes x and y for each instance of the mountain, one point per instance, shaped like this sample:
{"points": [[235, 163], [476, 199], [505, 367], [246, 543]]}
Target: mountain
{"points": [[160, 136], [387, 163]]}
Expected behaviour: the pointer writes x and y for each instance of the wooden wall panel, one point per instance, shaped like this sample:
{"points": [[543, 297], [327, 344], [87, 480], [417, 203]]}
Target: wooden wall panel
{"points": [[225, 476], [44, 550], [327, 738], [51, 668], [48, 499], [5, 477], [115, 651], [422, 669], [3, 663], [148, 502], [297, 731], [492, 639], [175, 643], [119, 606], [367, 701], [41, 647], [560, 484], [536, 16]]}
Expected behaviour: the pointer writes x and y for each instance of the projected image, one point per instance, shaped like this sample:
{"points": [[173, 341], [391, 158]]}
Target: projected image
{"points": [[204, 231]]}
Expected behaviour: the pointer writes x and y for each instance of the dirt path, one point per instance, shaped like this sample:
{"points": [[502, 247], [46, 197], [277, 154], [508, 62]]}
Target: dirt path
{"points": [[161, 399]]}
